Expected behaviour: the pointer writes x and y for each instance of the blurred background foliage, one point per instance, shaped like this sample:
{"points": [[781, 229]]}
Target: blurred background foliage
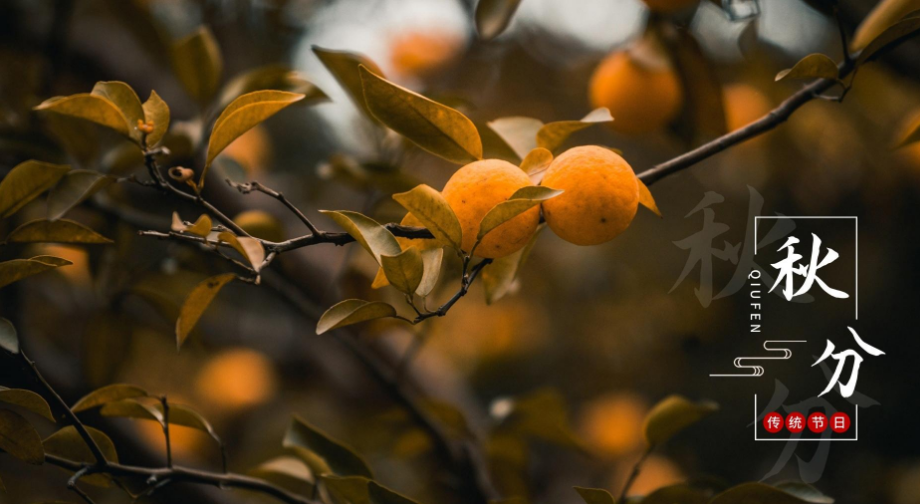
{"points": [[598, 325]]}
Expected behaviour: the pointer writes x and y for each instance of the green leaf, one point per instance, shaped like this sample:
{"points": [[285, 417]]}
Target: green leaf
{"points": [[885, 14], [431, 264], [19, 438], [28, 400], [813, 66], [250, 248], [344, 66], [89, 107], [646, 199], [196, 303], [891, 36], [67, 443], [243, 114], [672, 415], [347, 489], [755, 493], [437, 128], [493, 17], [25, 182], [552, 135], [522, 200], [804, 491], [404, 270], [498, 278], [382, 495], [276, 77], [73, 189], [595, 495], [520, 133], [353, 311], [126, 100], [287, 472], [684, 494], [156, 110], [537, 161], [107, 394], [376, 239], [430, 207], [201, 227], [17, 269], [341, 459], [198, 64], [9, 340]]}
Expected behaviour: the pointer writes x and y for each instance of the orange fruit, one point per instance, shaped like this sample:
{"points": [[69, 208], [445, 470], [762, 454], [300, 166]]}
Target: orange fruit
{"points": [[421, 53], [640, 87], [743, 104], [666, 6], [474, 190], [600, 199], [237, 378], [613, 423]]}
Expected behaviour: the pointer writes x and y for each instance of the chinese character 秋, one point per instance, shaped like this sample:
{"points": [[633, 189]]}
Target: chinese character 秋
{"points": [[790, 266]]}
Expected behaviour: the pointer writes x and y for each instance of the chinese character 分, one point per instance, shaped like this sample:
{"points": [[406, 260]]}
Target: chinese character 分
{"points": [[847, 389], [790, 266]]}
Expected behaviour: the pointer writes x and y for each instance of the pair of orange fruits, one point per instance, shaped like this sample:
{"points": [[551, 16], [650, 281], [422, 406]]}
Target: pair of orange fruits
{"points": [[600, 199]]}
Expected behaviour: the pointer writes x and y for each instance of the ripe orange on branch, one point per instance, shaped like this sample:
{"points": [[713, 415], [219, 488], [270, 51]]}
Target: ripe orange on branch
{"points": [[601, 195], [474, 190]]}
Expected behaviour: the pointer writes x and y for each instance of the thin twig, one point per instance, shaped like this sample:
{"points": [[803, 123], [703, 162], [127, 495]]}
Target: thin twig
{"points": [[165, 403], [71, 416], [255, 186], [634, 474], [72, 484]]}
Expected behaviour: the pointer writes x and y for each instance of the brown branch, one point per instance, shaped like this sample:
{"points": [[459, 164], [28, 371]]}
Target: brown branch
{"points": [[71, 416], [766, 123], [180, 474], [255, 186]]}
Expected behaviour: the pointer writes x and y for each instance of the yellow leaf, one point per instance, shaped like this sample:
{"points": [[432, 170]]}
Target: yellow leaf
{"points": [[19, 438], [250, 248], [430, 207], [891, 36], [277, 77], [885, 14], [198, 64], [61, 231], [107, 394], [672, 415], [404, 270], [537, 161], [89, 107], [243, 114], [73, 189], [25, 182], [552, 135], [201, 227], [432, 126], [156, 110], [522, 200], [431, 262], [123, 97], [813, 66], [343, 65], [499, 276], [28, 400], [493, 16], [520, 133], [352, 311], [197, 302], [376, 239], [646, 199], [67, 443], [17, 269]]}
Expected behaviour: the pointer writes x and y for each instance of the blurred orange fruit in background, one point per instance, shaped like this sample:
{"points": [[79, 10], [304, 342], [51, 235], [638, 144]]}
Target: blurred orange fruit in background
{"points": [[743, 104], [639, 86], [236, 379], [665, 6], [422, 53], [613, 423]]}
